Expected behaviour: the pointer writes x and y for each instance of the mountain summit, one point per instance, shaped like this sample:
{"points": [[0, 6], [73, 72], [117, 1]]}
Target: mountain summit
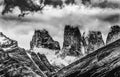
{"points": [[72, 41], [114, 34], [93, 41], [7, 43], [41, 38]]}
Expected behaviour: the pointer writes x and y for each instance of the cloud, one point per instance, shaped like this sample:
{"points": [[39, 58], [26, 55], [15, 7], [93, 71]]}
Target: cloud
{"points": [[54, 20]]}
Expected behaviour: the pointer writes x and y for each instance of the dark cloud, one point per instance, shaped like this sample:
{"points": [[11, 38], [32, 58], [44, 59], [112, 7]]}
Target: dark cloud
{"points": [[110, 18]]}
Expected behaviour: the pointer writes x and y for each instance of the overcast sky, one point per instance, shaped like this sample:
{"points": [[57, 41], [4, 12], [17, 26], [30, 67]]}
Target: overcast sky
{"points": [[54, 20]]}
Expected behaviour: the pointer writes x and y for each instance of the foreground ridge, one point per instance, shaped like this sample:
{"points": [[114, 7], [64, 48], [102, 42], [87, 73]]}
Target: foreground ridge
{"points": [[97, 64]]}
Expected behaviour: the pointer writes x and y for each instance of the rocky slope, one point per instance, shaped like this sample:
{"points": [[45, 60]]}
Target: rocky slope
{"points": [[114, 34], [101, 60], [104, 62], [41, 38], [72, 41], [18, 62], [7, 43], [93, 41]]}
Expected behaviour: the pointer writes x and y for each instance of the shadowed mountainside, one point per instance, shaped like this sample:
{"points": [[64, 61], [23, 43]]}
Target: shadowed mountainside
{"points": [[18, 62], [41, 38], [97, 64], [103, 61]]}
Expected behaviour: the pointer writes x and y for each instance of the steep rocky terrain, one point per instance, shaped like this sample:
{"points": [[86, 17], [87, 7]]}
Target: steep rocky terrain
{"points": [[72, 41], [104, 62], [114, 34], [92, 41], [101, 60], [18, 62], [41, 38], [10, 67], [7, 43]]}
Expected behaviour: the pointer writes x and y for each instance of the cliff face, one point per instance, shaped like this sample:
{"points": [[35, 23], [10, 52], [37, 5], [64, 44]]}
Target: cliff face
{"points": [[18, 62], [93, 41], [113, 35], [11, 67], [7, 43], [104, 62], [41, 38], [72, 41]]}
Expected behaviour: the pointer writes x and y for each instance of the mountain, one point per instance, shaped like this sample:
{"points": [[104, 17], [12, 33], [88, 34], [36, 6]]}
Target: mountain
{"points": [[92, 41], [114, 34], [10, 67], [42, 62], [18, 62], [7, 43], [41, 38], [104, 62], [72, 41]]}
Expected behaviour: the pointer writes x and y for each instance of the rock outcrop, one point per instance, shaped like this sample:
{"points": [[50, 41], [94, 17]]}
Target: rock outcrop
{"points": [[10, 67], [46, 62], [42, 62], [18, 62], [104, 62], [114, 34], [92, 41], [72, 41], [7, 43], [41, 38], [22, 57]]}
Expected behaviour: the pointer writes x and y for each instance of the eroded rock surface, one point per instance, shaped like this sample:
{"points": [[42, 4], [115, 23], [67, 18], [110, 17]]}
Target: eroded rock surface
{"points": [[114, 34], [104, 62], [72, 41], [93, 41], [41, 38]]}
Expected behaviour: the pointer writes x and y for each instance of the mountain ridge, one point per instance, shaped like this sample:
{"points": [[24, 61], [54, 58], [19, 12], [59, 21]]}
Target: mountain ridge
{"points": [[37, 63]]}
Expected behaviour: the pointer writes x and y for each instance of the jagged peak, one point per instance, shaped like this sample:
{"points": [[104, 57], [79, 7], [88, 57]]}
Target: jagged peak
{"points": [[71, 27], [114, 34], [115, 29], [6, 43], [92, 35], [42, 30], [72, 41], [72, 30], [93, 40], [42, 38], [2, 35]]}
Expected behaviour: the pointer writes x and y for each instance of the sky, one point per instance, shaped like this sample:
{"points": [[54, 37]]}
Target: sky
{"points": [[55, 19]]}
